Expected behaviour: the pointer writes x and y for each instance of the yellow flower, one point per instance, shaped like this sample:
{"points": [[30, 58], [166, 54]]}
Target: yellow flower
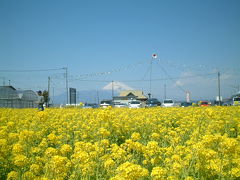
{"points": [[131, 171], [105, 142], [135, 136], [104, 132], [109, 163], [145, 162], [235, 172], [3, 147], [13, 137], [17, 149], [176, 157], [65, 149], [74, 143], [155, 136], [189, 178], [35, 150], [158, 173], [51, 152], [21, 160], [35, 168], [52, 138], [13, 175], [58, 167], [43, 143], [29, 175]]}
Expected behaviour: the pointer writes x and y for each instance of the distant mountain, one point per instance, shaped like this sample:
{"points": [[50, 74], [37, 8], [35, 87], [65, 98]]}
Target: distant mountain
{"points": [[93, 96], [117, 86], [90, 96]]}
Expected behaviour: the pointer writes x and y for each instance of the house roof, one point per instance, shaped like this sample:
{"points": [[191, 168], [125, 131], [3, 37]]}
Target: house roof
{"points": [[11, 87], [9, 92], [137, 93]]}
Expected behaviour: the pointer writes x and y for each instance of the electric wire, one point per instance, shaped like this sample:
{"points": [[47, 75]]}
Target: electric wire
{"points": [[180, 87], [29, 70], [147, 80]]}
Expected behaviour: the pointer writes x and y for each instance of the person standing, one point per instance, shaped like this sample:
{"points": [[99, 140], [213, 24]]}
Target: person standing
{"points": [[40, 101]]}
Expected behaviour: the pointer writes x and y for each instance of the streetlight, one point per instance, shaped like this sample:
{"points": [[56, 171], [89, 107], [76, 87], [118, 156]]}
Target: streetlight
{"points": [[154, 56]]}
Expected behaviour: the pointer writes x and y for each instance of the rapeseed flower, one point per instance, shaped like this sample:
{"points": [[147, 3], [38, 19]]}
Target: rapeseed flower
{"points": [[131, 171], [157, 143]]}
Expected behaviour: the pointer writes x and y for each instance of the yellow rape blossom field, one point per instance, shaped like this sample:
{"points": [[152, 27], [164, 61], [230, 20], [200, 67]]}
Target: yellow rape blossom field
{"points": [[152, 143]]}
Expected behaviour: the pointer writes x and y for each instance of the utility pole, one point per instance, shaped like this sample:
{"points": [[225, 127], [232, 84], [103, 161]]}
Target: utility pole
{"points": [[165, 93], [66, 74], [97, 97], [219, 93], [112, 89], [77, 97], [3, 78], [53, 95], [48, 91]]}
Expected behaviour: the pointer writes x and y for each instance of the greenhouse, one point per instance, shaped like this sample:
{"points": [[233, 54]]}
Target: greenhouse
{"points": [[12, 98]]}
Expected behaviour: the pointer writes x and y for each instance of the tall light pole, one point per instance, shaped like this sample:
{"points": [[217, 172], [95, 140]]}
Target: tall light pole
{"points": [[154, 56], [150, 83]]}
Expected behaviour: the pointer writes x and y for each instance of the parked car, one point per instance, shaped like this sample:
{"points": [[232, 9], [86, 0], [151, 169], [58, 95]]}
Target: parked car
{"points": [[89, 105], [227, 103], [186, 104], [204, 103], [105, 103], [120, 105], [153, 102], [236, 101], [168, 103], [135, 104]]}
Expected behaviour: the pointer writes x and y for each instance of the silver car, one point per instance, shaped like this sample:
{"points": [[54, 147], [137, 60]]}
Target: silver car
{"points": [[168, 103]]}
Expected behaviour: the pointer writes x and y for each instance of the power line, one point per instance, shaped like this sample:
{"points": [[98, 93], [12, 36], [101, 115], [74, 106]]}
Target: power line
{"points": [[147, 80], [146, 73], [125, 68], [180, 87], [89, 80], [29, 70]]}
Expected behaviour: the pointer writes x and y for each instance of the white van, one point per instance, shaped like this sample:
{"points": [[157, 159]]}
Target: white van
{"points": [[106, 103]]}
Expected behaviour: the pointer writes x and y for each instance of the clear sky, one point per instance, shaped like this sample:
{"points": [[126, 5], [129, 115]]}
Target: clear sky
{"points": [[95, 38]]}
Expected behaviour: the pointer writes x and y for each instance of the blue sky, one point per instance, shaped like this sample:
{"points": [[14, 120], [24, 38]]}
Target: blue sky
{"points": [[190, 37]]}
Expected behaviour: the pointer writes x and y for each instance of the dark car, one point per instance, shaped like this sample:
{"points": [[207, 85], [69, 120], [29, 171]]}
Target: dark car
{"points": [[89, 105], [186, 104], [153, 102]]}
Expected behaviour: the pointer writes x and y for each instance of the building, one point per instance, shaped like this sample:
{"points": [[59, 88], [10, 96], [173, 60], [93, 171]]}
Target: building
{"points": [[73, 96], [12, 98], [128, 96]]}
